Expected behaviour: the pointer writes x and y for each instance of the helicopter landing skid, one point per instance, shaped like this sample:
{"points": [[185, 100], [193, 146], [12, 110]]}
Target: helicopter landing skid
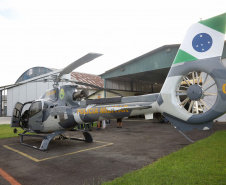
{"points": [[45, 142], [88, 137]]}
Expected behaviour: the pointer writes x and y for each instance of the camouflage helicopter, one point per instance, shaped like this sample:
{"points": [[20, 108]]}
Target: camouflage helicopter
{"points": [[196, 69]]}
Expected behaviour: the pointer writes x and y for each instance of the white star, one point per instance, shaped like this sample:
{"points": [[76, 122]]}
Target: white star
{"points": [[201, 44], [200, 35], [208, 42], [202, 49], [197, 46]]}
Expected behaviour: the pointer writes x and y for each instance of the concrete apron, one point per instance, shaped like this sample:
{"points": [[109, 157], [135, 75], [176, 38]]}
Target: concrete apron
{"points": [[5, 120]]}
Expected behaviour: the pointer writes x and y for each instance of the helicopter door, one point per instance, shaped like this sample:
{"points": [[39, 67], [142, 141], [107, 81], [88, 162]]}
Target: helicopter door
{"points": [[35, 116], [15, 122]]}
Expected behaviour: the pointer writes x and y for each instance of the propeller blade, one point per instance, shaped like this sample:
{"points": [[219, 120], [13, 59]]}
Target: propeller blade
{"points": [[181, 92], [200, 105], [193, 77], [191, 106], [196, 107], [66, 70], [204, 104], [206, 82], [210, 94], [205, 89], [184, 102], [79, 62], [199, 79], [188, 83]]}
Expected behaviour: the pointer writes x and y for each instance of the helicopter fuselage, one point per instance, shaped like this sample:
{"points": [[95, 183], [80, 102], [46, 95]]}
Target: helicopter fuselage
{"points": [[56, 110]]}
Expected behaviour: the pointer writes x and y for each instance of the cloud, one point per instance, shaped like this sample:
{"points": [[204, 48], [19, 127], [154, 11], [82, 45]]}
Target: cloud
{"points": [[55, 33], [7, 10]]}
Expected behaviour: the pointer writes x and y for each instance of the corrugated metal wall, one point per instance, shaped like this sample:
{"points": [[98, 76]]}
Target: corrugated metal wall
{"points": [[135, 86], [29, 92], [24, 93]]}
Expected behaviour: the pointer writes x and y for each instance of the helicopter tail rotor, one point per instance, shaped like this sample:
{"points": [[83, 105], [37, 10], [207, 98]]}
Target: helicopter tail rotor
{"points": [[194, 93]]}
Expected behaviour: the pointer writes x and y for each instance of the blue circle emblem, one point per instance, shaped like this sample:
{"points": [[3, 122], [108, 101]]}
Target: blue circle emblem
{"points": [[202, 42]]}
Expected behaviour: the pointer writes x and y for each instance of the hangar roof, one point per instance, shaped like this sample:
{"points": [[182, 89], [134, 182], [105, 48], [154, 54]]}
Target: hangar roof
{"points": [[158, 61], [87, 78], [33, 72], [152, 66], [145, 73], [41, 72]]}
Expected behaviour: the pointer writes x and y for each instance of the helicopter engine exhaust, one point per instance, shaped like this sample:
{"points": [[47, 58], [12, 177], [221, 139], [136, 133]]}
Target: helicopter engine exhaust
{"points": [[80, 94]]}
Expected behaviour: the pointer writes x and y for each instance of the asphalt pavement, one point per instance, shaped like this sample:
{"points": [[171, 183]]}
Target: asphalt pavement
{"points": [[114, 152]]}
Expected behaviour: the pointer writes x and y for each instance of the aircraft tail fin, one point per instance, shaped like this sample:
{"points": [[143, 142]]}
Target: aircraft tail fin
{"points": [[194, 93], [204, 39]]}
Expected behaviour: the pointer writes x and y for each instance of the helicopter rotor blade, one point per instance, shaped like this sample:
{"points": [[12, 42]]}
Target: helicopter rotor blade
{"points": [[57, 78], [97, 87], [85, 59]]}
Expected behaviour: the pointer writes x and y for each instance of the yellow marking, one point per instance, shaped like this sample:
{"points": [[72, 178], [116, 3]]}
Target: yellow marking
{"points": [[91, 111], [224, 88], [102, 110], [52, 92], [79, 111], [21, 153], [96, 111], [76, 152], [102, 142], [40, 160]]}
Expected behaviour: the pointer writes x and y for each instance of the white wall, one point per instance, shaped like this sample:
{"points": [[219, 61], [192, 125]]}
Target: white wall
{"points": [[26, 92]]}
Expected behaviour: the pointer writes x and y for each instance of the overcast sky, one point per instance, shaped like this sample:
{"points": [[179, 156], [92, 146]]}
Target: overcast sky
{"points": [[53, 33]]}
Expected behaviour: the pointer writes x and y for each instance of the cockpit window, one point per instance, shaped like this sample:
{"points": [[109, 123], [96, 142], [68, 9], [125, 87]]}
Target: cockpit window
{"points": [[17, 109], [35, 108]]}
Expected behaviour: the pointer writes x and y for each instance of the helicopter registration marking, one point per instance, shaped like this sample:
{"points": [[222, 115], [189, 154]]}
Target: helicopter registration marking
{"points": [[102, 110], [51, 92], [224, 88]]}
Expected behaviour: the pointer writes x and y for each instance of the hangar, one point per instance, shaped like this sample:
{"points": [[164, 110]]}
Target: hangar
{"points": [[31, 86], [146, 73], [142, 75]]}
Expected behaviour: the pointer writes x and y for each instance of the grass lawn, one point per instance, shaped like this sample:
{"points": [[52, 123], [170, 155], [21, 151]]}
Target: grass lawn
{"points": [[203, 162], [6, 131]]}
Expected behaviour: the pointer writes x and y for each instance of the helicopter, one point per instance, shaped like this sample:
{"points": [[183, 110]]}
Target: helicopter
{"points": [[196, 69]]}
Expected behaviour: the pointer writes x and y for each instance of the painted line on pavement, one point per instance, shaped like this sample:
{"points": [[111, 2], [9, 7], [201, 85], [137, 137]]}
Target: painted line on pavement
{"points": [[8, 177], [40, 160]]}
